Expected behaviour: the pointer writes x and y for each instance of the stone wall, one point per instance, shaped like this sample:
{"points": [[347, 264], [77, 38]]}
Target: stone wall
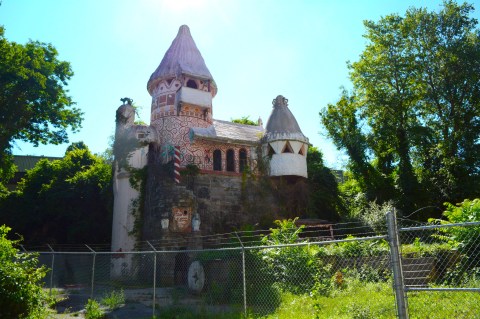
{"points": [[223, 203]]}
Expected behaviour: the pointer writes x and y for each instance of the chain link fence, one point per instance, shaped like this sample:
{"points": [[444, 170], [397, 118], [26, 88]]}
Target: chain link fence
{"points": [[441, 267], [429, 271]]}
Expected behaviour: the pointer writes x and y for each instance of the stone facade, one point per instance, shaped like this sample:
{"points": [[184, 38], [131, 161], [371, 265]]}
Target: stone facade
{"points": [[221, 203]]}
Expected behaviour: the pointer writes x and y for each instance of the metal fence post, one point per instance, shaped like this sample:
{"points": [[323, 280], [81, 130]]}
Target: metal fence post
{"points": [[93, 270], [244, 277], [154, 276], [53, 263], [396, 260]]}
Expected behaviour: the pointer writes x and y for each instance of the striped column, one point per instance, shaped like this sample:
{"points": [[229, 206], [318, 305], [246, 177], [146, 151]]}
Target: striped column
{"points": [[176, 169]]}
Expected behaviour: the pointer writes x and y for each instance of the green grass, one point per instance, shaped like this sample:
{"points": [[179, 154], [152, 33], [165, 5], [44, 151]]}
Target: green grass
{"points": [[362, 300], [440, 305], [357, 301]]}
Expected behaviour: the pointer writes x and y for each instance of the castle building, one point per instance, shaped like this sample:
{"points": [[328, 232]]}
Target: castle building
{"points": [[201, 175]]}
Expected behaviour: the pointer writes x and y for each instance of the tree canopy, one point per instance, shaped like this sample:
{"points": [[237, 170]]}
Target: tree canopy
{"points": [[62, 201], [411, 123], [76, 146], [33, 97], [245, 120], [323, 199]]}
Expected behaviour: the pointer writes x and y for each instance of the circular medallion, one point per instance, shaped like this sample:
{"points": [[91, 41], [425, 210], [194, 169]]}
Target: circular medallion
{"points": [[196, 277]]}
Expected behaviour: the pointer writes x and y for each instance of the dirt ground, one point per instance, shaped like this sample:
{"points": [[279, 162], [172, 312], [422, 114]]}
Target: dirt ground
{"points": [[138, 303]]}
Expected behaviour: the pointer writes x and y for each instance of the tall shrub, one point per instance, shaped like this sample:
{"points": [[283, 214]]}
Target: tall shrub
{"points": [[21, 294], [296, 269]]}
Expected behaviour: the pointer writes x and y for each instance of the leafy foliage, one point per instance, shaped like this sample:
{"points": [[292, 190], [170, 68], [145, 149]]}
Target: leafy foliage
{"points": [[465, 238], [76, 146], [420, 249], [375, 214], [323, 199], [296, 269], [466, 211], [64, 201], [244, 120], [35, 104], [114, 300], [93, 310], [410, 125], [357, 248], [21, 294]]}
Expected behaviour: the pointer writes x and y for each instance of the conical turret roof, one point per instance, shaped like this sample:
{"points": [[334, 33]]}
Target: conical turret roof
{"points": [[183, 57], [282, 124]]}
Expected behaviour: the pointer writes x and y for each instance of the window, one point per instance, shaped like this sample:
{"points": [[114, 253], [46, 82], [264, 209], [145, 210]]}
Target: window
{"points": [[271, 151], [242, 155], [230, 161], [287, 148], [192, 84], [217, 160], [170, 99], [302, 150]]}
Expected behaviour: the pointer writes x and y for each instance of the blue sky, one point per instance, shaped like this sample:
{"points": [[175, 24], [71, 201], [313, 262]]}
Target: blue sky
{"points": [[255, 50]]}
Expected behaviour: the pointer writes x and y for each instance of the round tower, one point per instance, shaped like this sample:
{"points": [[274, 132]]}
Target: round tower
{"points": [[182, 89], [283, 143]]}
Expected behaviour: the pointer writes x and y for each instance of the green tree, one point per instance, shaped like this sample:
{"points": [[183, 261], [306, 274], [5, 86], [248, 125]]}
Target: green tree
{"points": [[323, 200], [244, 120], [63, 201], [411, 123], [76, 146], [33, 98], [447, 51], [345, 127], [21, 294]]}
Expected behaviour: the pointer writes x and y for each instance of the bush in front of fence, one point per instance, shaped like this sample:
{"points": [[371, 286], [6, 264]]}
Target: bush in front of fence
{"points": [[21, 293], [352, 248], [466, 238], [463, 262], [296, 269], [225, 286]]}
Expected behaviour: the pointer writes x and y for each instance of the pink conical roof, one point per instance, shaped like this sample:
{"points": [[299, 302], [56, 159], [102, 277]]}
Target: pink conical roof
{"points": [[183, 57]]}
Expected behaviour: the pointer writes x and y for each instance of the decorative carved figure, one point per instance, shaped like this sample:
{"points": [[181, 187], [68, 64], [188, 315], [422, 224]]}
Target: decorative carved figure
{"points": [[127, 100], [196, 222]]}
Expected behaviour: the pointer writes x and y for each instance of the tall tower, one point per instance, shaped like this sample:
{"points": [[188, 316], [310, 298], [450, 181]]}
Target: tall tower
{"points": [[284, 143], [182, 89], [130, 150]]}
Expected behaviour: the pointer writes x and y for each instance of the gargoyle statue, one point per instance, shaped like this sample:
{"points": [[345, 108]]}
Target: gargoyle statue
{"points": [[127, 100]]}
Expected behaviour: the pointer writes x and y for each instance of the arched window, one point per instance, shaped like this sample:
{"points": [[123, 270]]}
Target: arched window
{"points": [[192, 84], [242, 156], [230, 161], [217, 160]]}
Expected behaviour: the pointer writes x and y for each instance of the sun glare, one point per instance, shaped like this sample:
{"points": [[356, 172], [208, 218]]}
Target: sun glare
{"points": [[178, 5]]}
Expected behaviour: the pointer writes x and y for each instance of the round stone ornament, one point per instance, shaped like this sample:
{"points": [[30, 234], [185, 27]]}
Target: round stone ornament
{"points": [[196, 277]]}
